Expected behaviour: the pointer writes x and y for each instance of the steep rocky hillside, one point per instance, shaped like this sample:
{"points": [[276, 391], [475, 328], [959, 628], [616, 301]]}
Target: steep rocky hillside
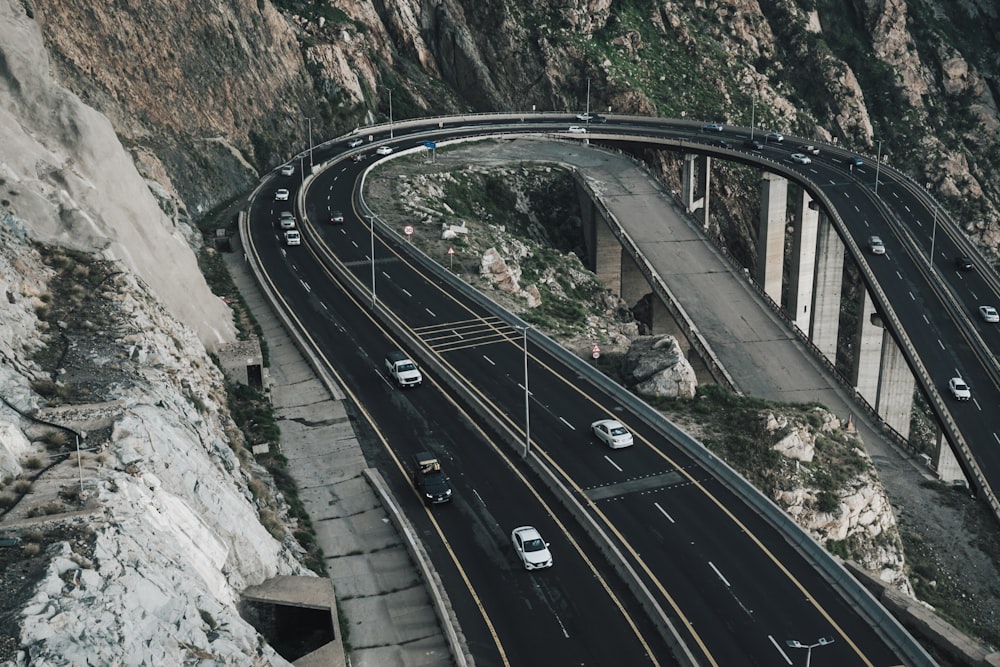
{"points": [[208, 101]]}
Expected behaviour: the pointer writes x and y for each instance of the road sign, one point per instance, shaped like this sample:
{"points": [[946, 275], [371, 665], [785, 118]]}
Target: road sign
{"points": [[408, 230], [451, 251], [595, 351], [430, 145]]}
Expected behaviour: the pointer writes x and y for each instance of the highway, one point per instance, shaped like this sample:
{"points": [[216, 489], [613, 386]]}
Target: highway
{"points": [[729, 582]]}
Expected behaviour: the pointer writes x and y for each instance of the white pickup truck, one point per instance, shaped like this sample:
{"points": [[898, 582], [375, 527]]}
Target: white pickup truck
{"points": [[402, 369]]}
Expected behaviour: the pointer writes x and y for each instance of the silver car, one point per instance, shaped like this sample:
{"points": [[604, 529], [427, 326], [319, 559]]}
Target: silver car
{"points": [[612, 433]]}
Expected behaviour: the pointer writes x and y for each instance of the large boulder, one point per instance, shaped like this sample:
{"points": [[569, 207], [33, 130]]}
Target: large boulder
{"points": [[656, 366]]}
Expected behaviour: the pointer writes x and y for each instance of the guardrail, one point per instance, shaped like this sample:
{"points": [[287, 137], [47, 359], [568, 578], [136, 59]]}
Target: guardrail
{"points": [[824, 563]]}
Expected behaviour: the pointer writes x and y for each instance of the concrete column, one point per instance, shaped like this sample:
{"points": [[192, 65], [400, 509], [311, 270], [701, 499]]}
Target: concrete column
{"points": [[949, 470], [663, 322], [867, 351], [696, 180], [800, 289], [690, 192], [608, 254], [828, 277], [771, 235], [634, 283], [895, 387]]}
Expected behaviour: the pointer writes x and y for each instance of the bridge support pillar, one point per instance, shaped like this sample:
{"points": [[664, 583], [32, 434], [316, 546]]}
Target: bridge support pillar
{"points": [[895, 387], [696, 184], [608, 252], [800, 290], [867, 350], [948, 468], [771, 235], [634, 283], [664, 323], [829, 275]]}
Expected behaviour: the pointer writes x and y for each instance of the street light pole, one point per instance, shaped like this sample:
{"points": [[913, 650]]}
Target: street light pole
{"points": [[753, 110], [588, 101], [822, 641], [371, 225], [930, 258], [527, 412], [390, 110], [878, 163], [310, 144]]}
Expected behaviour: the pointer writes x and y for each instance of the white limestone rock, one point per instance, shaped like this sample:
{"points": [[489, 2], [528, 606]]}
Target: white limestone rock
{"points": [[655, 366]]}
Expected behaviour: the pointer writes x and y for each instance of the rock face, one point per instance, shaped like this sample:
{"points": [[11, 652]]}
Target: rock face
{"points": [[655, 366], [65, 176], [860, 513], [146, 563]]}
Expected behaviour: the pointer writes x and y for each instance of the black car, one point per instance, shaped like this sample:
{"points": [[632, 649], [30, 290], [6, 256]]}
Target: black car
{"points": [[597, 118], [722, 143], [753, 145], [337, 218], [963, 263]]}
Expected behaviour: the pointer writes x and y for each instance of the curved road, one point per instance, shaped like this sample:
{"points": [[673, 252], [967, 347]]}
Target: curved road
{"points": [[733, 587]]}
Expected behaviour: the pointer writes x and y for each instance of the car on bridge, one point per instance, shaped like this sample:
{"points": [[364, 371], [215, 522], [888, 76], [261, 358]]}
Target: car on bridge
{"points": [[876, 245], [355, 142], [287, 169], [712, 127], [989, 314], [612, 433], [801, 158], [292, 237], [336, 218], [721, 143], [384, 150], [281, 194], [577, 129], [964, 263], [531, 548], [776, 137], [810, 149], [854, 162], [586, 116], [959, 389], [286, 220], [753, 145]]}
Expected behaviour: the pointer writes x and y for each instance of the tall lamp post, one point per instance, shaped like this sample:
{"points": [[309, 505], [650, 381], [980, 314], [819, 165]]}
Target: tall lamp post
{"points": [[310, 144], [822, 641], [390, 110], [878, 163], [527, 396], [371, 225], [753, 111]]}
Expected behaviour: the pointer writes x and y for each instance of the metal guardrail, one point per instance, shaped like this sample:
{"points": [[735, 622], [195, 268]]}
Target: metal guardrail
{"points": [[831, 569]]}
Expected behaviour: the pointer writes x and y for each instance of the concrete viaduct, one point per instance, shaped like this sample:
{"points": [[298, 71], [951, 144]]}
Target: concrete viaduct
{"points": [[880, 374]]}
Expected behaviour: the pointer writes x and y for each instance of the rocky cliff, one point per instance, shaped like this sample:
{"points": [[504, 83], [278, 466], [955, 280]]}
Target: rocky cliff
{"points": [[121, 124]]}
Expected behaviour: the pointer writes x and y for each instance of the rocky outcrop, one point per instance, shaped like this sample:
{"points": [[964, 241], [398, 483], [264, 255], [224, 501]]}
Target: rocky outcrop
{"points": [[157, 528], [857, 513], [656, 366], [65, 176]]}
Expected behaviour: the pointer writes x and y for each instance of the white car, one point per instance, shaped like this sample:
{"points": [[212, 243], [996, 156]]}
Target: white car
{"points": [[355, 142], [989, 314], [775, 136], [812, 150], [577, 129], [292, 237], [801, 158], [287, 169], [959, 389], [612, 433], [384, 150], [281, 195], [286, 220], [531, 548], [587, 115], [875, 245]]}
